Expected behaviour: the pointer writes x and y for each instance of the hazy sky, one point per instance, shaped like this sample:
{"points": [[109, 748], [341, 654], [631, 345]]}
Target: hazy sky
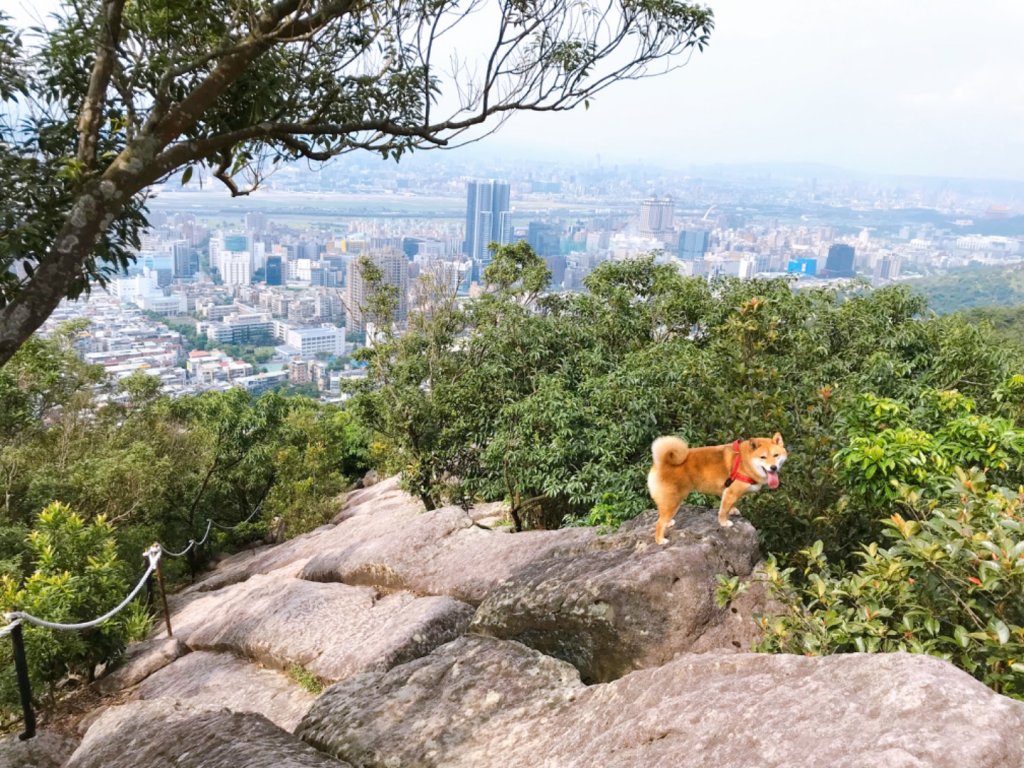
{"points": [[931, 87]]}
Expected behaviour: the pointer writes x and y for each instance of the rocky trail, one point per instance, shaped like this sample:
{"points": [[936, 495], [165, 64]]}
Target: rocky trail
{"points": [[398, 638]]}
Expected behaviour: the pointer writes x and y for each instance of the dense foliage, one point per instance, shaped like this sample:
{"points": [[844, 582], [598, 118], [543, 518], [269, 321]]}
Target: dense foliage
{"points": [[76, 577], [551, 402], [117, 466], [1006, 323], [977, 286], [949, 584]]}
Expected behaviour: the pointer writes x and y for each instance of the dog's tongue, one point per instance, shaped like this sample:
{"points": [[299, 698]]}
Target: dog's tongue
{"points": [[773, 480]]}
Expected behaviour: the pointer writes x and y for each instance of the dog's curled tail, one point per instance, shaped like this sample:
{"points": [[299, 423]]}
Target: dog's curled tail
{"points": [[669, 450]]}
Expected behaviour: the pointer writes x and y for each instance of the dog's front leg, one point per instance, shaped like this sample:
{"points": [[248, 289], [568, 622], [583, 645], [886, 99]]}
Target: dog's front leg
{"points": [[730, 497]]}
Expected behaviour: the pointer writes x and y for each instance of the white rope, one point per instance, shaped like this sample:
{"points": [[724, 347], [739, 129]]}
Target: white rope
{"points": [[152, 554], [239, 525], [210, 522], [7, 630], [191, 542]]}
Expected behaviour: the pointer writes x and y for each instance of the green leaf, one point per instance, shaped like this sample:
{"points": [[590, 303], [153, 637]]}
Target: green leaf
{"points": [[962, 636], [1002, 631]]}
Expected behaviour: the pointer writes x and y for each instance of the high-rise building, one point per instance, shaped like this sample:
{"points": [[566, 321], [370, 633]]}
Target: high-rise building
{"points": [[656, 215], [887, 267], [693, 244], [236, 241], [184, 262], [394, 267], [556, 265], [840, 261], [274, 273], [221, 243], [236, 267], [543, 238], [256, 222], [488, 220]]}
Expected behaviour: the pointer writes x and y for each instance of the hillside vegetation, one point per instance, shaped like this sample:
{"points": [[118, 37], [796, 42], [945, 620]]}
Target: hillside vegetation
{"points": [[898, 525], [974, 287], [93, 472]]}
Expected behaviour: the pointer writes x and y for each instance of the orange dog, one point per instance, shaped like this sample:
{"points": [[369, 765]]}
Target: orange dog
{"points": [[729, 471]]}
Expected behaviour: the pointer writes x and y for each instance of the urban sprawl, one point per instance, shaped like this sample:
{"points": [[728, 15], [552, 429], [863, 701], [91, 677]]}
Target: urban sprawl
{"points": [[272, 295]]}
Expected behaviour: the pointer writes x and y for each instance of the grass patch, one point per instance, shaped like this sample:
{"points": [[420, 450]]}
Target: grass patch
{"points": [[306, 679]]}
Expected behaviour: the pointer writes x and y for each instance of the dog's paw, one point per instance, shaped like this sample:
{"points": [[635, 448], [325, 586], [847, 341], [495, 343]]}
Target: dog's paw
{"points": [[662, 540], [725, 524], [670, 523], [734, 511]]}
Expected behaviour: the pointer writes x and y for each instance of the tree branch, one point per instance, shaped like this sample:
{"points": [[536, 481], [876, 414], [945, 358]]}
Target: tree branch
{"points": [[90, 119]]}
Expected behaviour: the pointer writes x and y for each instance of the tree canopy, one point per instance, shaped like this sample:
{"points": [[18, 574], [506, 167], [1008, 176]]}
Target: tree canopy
{"points": [[114, 97]]}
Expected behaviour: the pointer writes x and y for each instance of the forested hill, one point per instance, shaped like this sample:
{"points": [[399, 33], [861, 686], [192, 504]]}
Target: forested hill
{"points": [[978, 286]]}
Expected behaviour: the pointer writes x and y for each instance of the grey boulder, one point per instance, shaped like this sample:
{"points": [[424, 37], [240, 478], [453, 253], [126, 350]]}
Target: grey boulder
{"points": [[140, 661], [218, 680], [626, 603], [332, 630], [169, 733], [482, 702], [46, 749]]}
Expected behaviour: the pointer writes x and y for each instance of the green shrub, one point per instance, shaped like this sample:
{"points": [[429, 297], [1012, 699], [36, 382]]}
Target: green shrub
{"points": [[949, 585], [77, 577]]}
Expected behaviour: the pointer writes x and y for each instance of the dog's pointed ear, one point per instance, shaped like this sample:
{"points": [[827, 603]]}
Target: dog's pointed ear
{"points": [[753, 443], [777, 439]]}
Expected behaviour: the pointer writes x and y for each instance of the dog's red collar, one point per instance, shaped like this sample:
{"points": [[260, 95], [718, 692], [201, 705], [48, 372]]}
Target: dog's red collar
{"points": [[736, 474]]}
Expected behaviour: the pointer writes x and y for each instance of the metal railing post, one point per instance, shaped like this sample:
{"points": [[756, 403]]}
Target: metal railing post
{"points": [[24, 686], [163, 597]]}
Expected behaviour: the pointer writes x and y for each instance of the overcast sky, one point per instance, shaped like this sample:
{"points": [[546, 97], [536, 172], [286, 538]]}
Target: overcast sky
{"points": [[930, 87]]}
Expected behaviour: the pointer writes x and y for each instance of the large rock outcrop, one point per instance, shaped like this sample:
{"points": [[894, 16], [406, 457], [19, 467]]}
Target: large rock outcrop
{"points": [[460, 700], [382, 601], [444, 552], [216, 680], [169, 733], [625, 603], [140, 661], [46, 750], [332, 630], [481, 702]]}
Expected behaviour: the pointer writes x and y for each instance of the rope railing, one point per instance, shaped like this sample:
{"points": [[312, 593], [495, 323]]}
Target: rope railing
{"points": [[191, 542], [238, 525], [210, 523], [15, 619], [152, 554]]}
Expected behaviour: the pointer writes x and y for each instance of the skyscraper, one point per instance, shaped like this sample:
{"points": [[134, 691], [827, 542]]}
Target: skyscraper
{"points": [[656, 215], [395, 268], [840, 261], [543, 238], [183, 261], [236, 267], [693, 244], [274, 272], [488, 220]]}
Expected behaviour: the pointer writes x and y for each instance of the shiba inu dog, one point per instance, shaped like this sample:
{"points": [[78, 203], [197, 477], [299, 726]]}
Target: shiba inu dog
{"points": [[729, 471]]}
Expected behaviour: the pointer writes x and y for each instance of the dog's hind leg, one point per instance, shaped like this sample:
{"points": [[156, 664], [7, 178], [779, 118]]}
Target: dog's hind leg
{"points": [[668, 504]]}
